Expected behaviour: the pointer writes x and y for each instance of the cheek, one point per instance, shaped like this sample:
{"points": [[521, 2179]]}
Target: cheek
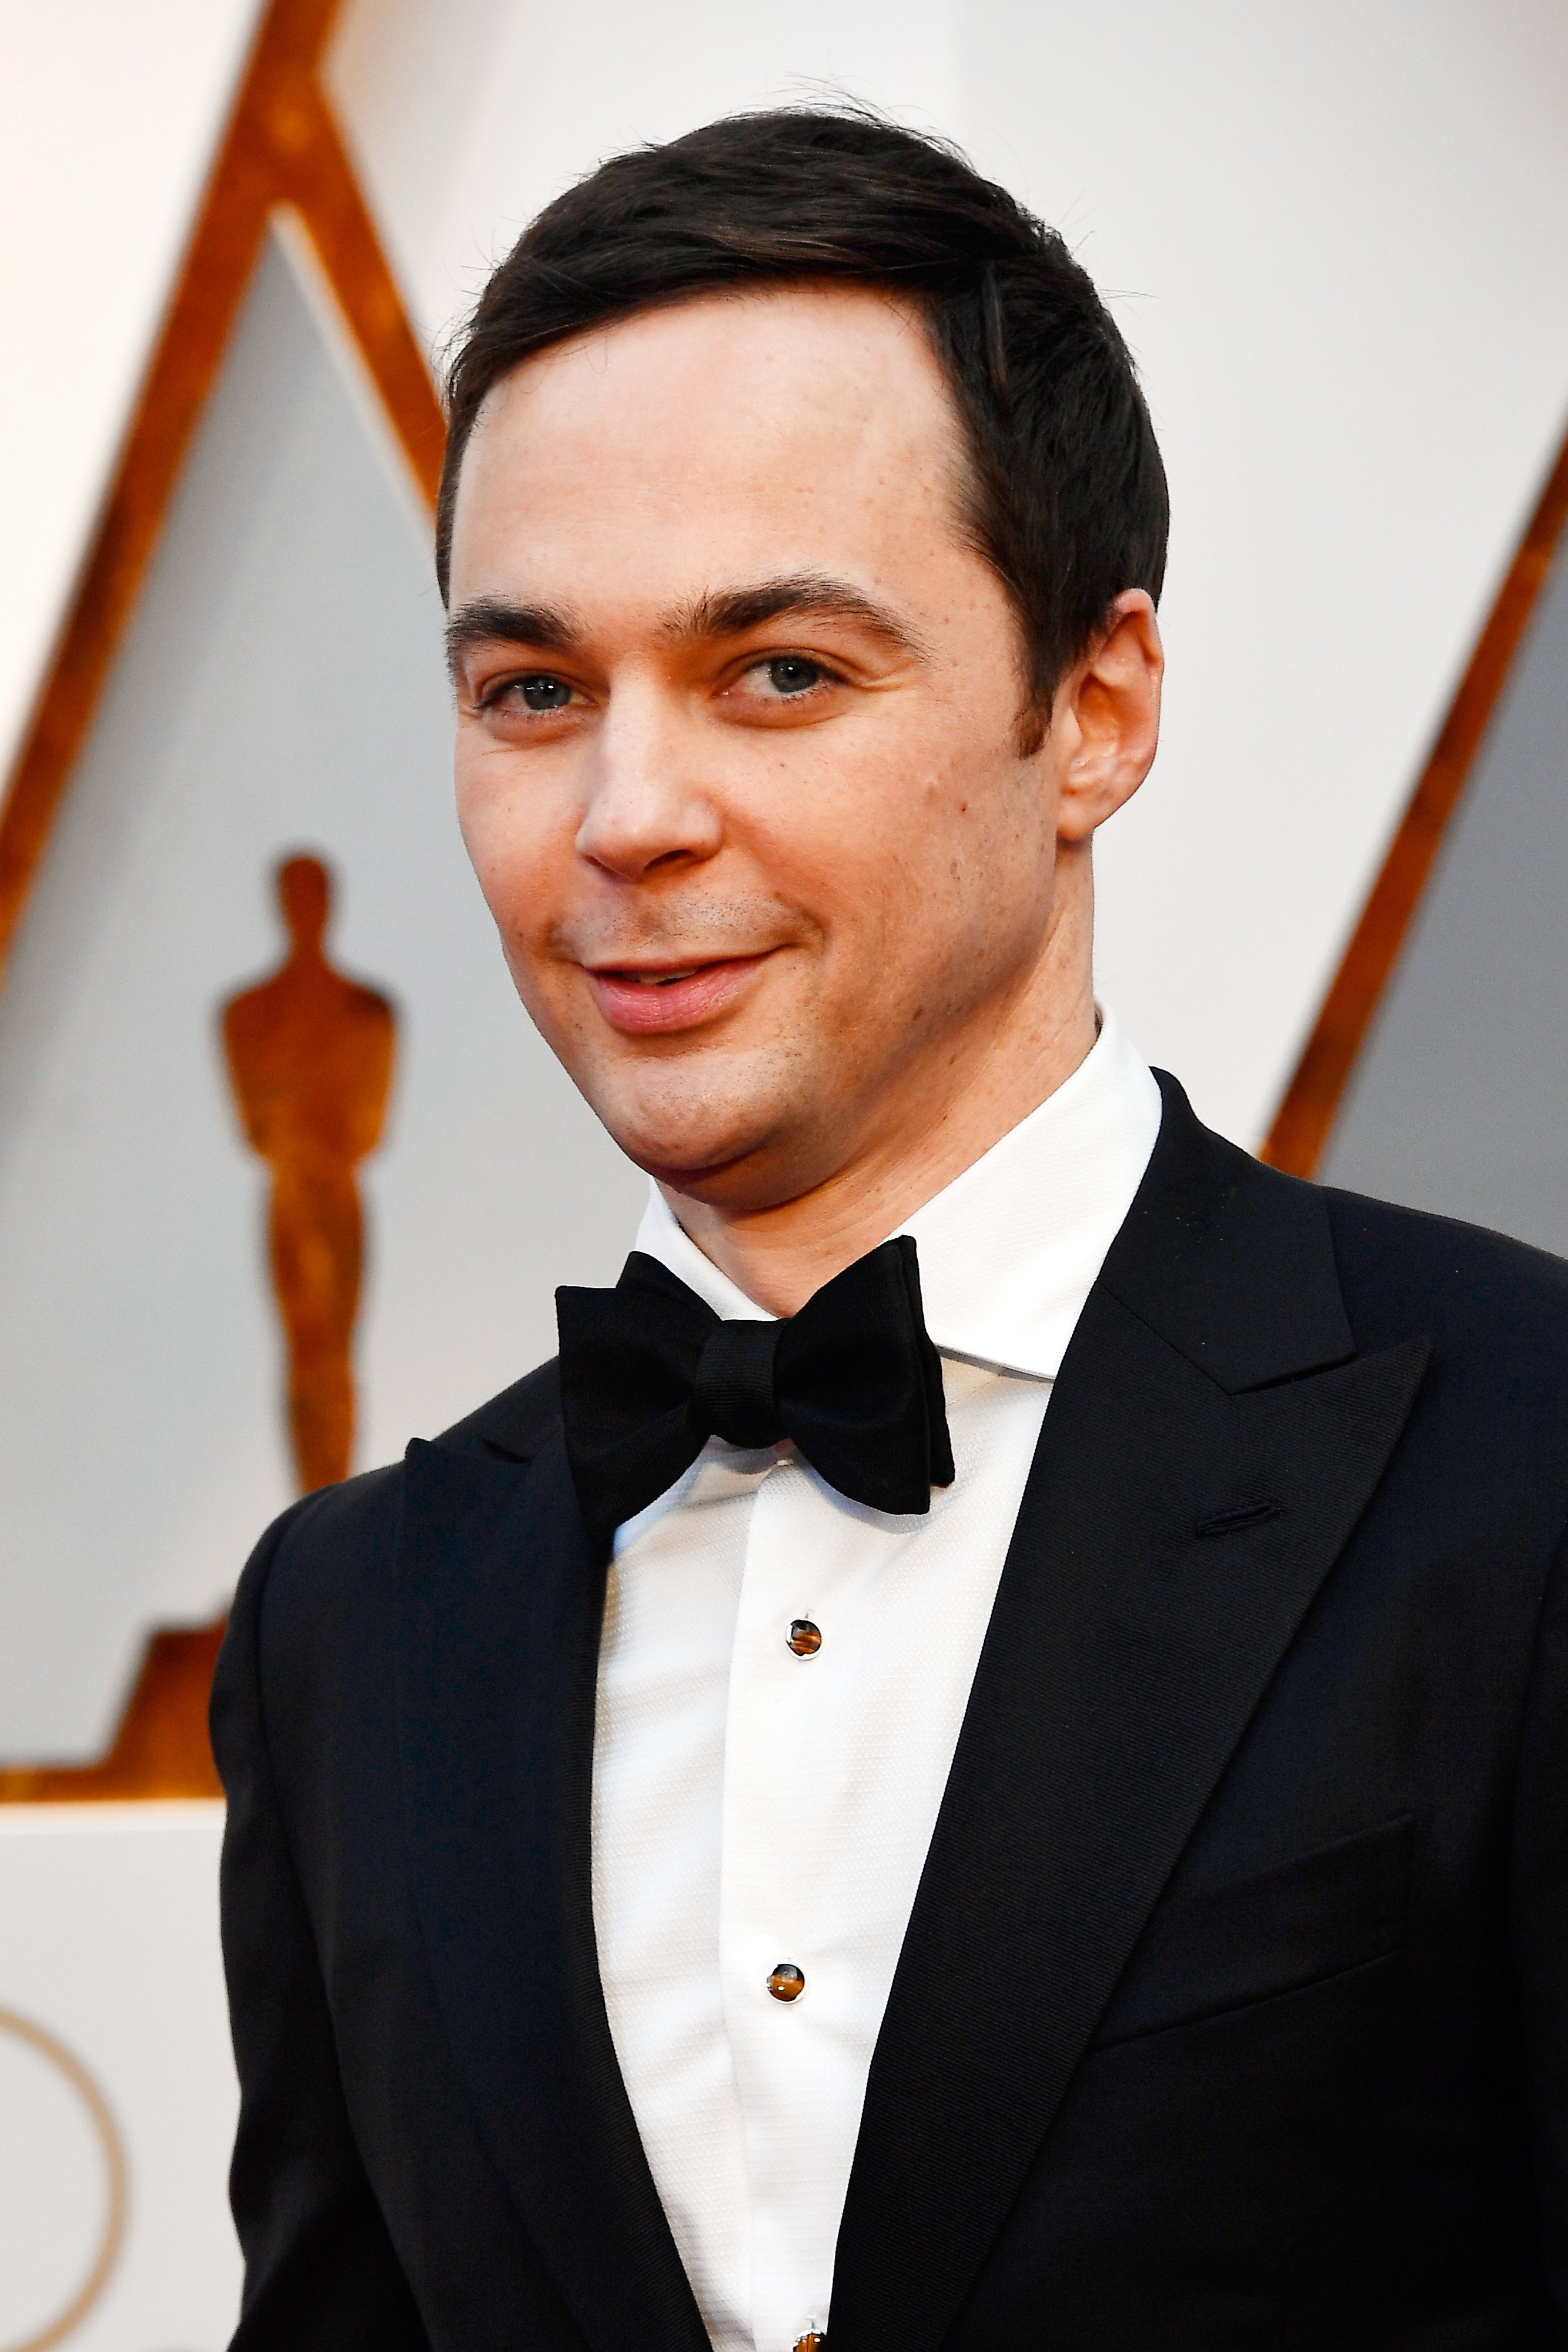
{"points": [[514, 837], [959, 889], [888, 911]]}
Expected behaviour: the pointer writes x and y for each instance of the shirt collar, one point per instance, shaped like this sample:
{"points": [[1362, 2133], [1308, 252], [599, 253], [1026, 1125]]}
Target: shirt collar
{"points": [[1010, 1249]]}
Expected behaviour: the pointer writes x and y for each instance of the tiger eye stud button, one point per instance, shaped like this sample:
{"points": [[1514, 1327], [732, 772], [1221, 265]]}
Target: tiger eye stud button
{"points": [[805, 1639], [787, 1982]]}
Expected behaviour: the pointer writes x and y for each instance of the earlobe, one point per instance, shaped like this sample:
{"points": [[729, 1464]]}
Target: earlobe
{"points": [[1111, 701]]}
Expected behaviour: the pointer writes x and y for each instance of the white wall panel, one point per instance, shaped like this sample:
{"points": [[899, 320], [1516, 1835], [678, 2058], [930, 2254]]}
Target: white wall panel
{"points": [[109, 1943], [469, 115], [107, 118], [1334, 236]]}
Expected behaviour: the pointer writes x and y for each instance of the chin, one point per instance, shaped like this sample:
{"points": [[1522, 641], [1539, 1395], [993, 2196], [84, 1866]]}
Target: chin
{"points": [[712, 1143], [710, 1164]]}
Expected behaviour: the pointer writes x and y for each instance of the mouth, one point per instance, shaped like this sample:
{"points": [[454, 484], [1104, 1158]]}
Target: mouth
{"points": [[641, 999]]}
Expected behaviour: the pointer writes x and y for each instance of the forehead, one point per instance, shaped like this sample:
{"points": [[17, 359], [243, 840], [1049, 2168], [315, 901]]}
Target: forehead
{"points": [[783, 429]]}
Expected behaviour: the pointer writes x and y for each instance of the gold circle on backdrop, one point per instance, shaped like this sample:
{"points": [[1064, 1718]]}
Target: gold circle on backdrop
{"points": [[106, 2132]]}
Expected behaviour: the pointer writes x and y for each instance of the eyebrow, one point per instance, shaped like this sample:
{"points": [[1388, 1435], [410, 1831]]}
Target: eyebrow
{"points": [[495, 620], [814, 595], [720, 613]]}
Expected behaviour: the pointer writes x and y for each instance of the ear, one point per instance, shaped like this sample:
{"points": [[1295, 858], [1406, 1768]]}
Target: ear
{"points": [[1106, 718]]}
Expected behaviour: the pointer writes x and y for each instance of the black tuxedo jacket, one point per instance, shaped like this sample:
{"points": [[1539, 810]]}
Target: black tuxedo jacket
{"points": [[1233, 2009]]}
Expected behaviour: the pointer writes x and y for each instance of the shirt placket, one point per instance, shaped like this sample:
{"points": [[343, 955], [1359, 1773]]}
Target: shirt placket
{"points": [[785, 2001]]}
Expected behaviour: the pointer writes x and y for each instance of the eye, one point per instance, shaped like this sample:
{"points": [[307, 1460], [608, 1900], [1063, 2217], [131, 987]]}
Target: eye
{"points": [[537, 692], [783, 676]]}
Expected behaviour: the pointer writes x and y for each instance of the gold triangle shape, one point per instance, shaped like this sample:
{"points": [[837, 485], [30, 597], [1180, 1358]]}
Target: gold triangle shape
{"points": [[282, 148]]}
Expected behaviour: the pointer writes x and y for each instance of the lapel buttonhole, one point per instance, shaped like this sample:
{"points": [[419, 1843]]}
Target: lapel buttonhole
{"points": [[1231, 1521]]}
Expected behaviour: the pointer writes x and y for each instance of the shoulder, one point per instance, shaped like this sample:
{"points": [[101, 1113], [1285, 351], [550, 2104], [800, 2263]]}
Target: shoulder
{"points": [[1471, 1288], [1211, 1220], [319, 1559], [1490, 1425], [513, 1425]]}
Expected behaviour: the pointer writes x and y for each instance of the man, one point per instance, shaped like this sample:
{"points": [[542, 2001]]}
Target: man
{"points": [[982, 1763]]}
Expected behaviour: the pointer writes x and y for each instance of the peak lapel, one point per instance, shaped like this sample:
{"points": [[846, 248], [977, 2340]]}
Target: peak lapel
{"points": [[499, 1603], [1125, 1657]]}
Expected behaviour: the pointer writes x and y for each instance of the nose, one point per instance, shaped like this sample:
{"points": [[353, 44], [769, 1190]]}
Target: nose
{"points": [[647, 807]]}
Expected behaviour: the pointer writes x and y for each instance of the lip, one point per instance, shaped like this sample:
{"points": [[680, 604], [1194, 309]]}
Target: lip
{"points": [[642, 1001]]}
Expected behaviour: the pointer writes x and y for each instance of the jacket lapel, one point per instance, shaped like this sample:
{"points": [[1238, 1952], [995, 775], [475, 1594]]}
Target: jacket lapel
{"points": [[1212, 1375], [499, 1603]]}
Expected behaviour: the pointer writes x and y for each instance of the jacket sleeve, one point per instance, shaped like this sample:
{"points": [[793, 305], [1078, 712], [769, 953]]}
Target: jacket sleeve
{"points": [[1539, 1927], [321, 2272]]}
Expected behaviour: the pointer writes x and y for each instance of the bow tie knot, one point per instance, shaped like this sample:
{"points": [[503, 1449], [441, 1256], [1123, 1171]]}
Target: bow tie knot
{"points": [[733, 1393], [649, 1373]]}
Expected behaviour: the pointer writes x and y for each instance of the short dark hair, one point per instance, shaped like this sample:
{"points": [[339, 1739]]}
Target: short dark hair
{"points": [[1067, 496]]}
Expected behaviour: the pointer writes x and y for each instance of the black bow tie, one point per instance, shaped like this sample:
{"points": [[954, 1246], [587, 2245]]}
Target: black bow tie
{"points": [[648, 1373]]}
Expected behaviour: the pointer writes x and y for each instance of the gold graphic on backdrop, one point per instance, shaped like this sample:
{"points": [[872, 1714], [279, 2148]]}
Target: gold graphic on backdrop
{"points": [[161, 1747], [282, 148], [88, 2289], [311, 1060]]}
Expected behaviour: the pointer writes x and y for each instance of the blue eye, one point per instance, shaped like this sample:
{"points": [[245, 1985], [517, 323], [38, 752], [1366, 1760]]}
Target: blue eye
{"points": [[789, 674], [544, 693]]}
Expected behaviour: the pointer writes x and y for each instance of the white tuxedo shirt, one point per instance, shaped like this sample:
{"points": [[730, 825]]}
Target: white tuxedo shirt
{"points": [[755, 1807]]}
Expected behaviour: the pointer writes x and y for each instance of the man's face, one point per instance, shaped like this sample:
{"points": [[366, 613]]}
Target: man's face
{"points": [[740, 757]]}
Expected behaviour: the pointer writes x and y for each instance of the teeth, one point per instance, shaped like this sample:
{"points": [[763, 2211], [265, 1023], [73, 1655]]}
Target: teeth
{"points": [[653, 979]]}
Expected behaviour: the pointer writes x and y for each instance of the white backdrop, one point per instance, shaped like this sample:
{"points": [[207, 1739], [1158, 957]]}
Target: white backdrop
{"points": [[109, 1943], [107, 118]]}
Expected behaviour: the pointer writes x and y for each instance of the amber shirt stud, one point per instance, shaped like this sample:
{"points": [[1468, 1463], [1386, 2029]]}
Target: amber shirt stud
{"points": [[804, 1638], [787, 1983]]}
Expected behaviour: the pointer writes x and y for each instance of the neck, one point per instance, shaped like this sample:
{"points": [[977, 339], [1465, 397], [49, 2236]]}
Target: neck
{"points": [[781, 1254]]}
